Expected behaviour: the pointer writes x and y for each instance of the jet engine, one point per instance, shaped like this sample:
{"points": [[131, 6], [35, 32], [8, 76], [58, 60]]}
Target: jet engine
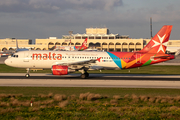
{"points": [[61, 70]]}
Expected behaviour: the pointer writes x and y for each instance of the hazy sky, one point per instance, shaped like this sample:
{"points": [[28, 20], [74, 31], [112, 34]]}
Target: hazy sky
{"points": [[53, 18]]}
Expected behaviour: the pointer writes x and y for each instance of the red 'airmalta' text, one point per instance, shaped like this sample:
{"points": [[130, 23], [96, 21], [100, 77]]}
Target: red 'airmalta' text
{"points": [[44, 56]]}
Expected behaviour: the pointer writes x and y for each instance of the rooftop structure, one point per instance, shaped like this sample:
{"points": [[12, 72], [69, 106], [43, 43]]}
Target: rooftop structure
{"points": [[96, 33]]}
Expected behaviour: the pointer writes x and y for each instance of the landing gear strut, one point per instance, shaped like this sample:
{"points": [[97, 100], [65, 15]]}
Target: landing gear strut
{"points": [[84, 74], [27, 74]]}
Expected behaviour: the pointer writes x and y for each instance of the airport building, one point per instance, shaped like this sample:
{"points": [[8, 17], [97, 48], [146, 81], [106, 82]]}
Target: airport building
{"points": [[98, 38]]}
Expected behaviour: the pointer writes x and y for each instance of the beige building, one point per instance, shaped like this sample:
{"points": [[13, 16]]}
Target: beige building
{"points": [[98, 38]]}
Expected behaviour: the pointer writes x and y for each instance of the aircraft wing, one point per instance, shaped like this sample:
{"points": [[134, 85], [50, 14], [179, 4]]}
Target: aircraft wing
{"points": [[81, 64]]}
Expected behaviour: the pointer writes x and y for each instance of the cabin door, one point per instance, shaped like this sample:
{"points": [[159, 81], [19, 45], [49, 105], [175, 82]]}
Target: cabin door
{"points": [[26, 57]]}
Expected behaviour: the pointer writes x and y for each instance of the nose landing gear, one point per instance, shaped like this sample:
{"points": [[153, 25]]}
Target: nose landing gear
{"points": [[27, 74]]}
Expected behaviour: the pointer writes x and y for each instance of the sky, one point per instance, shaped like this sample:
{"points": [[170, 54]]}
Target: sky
{"points": [[31, 19]]}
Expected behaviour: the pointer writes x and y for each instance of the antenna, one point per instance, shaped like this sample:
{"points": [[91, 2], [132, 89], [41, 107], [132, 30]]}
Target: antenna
{"points": [[151, 26]]}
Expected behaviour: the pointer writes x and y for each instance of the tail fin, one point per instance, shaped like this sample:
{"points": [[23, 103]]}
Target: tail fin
{"points": [[84, 43], [158, 43]]}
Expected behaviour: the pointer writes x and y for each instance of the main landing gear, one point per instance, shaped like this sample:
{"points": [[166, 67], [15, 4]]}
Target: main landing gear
{"points": [[27, 74], [84, 74]]}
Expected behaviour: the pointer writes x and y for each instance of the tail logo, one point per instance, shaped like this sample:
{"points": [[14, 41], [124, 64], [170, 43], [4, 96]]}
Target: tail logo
{"points": [[84, 44], [162, 45]]}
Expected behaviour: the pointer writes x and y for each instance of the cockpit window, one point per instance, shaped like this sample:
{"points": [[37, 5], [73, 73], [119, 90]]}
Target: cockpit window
{"points": [[16, 56]]}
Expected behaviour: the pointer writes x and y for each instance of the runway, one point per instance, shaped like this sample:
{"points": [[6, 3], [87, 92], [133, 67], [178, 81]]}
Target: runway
{"points": [[94, 80]]}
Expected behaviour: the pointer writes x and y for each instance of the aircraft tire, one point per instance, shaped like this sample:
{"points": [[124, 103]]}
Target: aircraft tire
{"points": [[83, 76], [27, 75]]}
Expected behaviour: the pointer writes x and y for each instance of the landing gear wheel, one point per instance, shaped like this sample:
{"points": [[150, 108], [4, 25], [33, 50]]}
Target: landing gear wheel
{"points": [[87, 74], [83, 76], [27, 75]]}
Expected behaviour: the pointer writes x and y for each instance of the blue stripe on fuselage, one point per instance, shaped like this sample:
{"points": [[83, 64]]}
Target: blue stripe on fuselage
{"points": [[117, 61]]}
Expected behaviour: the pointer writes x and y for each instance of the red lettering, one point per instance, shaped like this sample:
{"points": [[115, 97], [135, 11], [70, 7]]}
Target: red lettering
{"points": [[49, 55], [59, 57], [54, 56], [45, 56], [35, 54]]}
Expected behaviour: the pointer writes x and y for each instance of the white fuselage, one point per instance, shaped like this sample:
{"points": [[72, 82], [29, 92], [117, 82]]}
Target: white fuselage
{"points": [[45, 59]]}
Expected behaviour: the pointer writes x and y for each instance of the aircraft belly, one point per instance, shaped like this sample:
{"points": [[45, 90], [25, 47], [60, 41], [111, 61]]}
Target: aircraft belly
{"points": [[105, 65]]}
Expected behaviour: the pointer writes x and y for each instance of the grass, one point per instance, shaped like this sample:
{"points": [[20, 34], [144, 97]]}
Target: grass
{"points": [[152, 69], [89, 106], [29, 91]]}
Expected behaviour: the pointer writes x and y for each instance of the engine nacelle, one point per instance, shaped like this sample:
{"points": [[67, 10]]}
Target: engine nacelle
{"points": [[61, 70]]}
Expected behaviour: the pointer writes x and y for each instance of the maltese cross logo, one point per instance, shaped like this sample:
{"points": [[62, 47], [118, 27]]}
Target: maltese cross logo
{"points": [[161, 44]]}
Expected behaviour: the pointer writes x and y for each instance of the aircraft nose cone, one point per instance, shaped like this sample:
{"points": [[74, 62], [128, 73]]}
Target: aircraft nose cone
{"points": [[7, 62]]}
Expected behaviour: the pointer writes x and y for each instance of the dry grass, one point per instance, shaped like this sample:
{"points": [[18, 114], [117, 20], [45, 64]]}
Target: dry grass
{"points": [[3, 95], [50, 95], [114, 102], [164, 100], [34, 109], [134, 96], [116, 97], [82, 108], [72, 97], [152, 99], [114, 109], [106, 103], [83, 96], [92, 109], [46, 102], [177, 99], [4, 104], [15, 102], [59, 97], [92, 97], [63, 103], [130, 106], [26, 103], [83, 102], [7, 110], [142, 97], [126, 96], [37, 103], [173, 108]]}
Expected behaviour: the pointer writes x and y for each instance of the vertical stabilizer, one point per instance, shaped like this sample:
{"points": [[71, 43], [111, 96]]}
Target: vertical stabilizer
{"points": [[159, 42]]}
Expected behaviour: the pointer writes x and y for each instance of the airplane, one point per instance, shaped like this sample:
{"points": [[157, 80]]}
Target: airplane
{"points": [[20, 49], [172, 49], [73, 48], [64, 62], [11, 52]]}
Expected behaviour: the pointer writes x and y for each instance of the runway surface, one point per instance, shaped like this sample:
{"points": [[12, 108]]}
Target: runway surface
{"points": [[94, 80]]}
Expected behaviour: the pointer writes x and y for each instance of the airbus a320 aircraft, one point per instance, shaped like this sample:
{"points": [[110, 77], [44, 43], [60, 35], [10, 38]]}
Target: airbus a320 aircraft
{"points": [[73, 48], [64, 62]]}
